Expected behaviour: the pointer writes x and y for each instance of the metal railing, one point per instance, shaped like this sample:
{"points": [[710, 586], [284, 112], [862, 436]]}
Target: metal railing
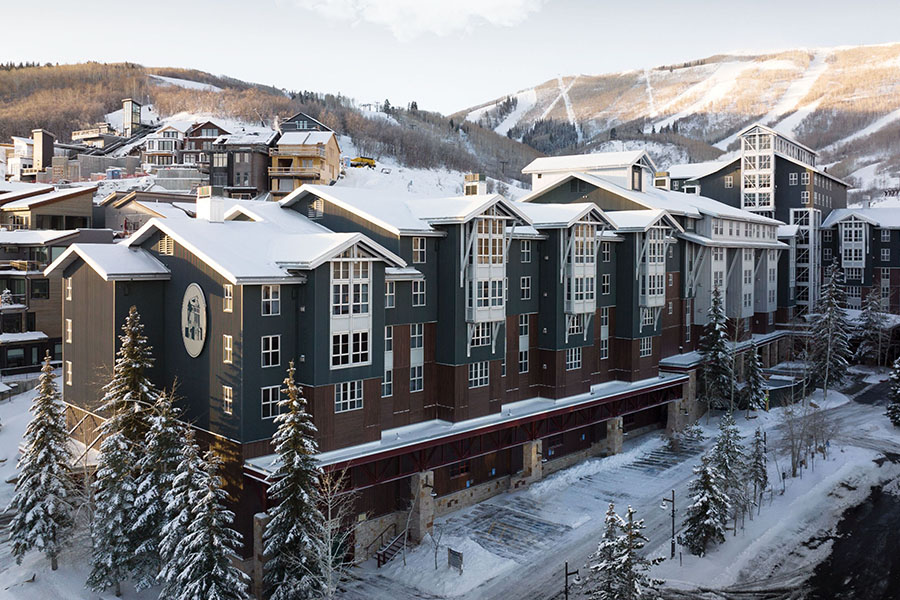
{"points": [[293, 171], [380, 538]]}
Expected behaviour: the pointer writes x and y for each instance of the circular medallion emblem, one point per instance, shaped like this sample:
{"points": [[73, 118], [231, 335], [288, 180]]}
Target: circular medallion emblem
{"points": [[193, 320]]}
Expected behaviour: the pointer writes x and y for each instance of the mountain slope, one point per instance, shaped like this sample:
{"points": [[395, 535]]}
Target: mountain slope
{"points": [[844, 102]]}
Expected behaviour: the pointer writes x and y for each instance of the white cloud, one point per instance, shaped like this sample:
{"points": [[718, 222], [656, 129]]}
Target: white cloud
{"points": [[409, 19]]}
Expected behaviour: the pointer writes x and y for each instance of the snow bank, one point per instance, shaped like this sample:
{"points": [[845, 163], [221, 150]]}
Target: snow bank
{"points": [[185, 83], [479, 565]]}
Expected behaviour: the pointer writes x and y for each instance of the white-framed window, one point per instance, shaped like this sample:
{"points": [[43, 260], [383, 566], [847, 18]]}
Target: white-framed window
{"points": [[670, 307], [573, 358], [729, 181], [604, 316], [523, 325], [390, 294], [826, 235], [885, 255], [606, 252], [68, 372], [804, 197], [646, 346], [387, 384], [348, 396], [604, 284], [349, 348], [481, 334], [826, 254], [479, 374], [885, 275], [418, 292], [227, 349], [853, 273], [525, 284], [416, 378], [885, 235], [389, 338], [854, 292], [525, 246], [68, 288], [417, 335], [523, 361], [227, 298], [604, 349], [68, 331], [671, 279], [268, 401], [271, 300], [576, 324], [646, 317], [419, 250], [227, 399], [350, 287], [804, 178], [792, 179], [271, 350], [718, 254]]}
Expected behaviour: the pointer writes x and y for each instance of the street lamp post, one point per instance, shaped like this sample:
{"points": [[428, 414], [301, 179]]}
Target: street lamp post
{"points": [[672, 502]]}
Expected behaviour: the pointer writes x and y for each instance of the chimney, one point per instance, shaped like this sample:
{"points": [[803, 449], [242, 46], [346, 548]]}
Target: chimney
{"points": [[475, 184], [43, 148], [209, 208]]}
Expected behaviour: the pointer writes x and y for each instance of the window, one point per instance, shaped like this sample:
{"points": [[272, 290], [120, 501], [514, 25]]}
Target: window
{"points": [[481, 334], [348, 396], [68, 372], [729, 181], [387, 384], [227, 399], [604, 285], [479, 374], [271, 350], [523, 361], [418, 292], [604, 349], [606, 251], [523, 325], [525, 283], [646, 346], [389, 338], [227, 349], [826, 235], [269, 397], [347, 276], [419, 250], [670, 307], [40, 289], [271, 300], [804, 179], [166, 245], [792, 179], [526, 251], [227, 298], [390, 294], [349, 348], [417, 335], [68, 288], [804, 197], [646, 317], [416, 380], [68, 331], [885, 276], [826, 254], [459, 469], [573, 359], [885, 255], [885, 235]]}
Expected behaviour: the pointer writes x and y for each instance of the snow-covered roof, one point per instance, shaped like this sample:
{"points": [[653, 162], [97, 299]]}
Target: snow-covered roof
{"points": [[787, 230], [402, 274], [461, 209], [248, 136], [305, 138], [585, 162], [27, 336], [40, 199], [14, 190], [725, 243], [33, 237], [639, 220], [698, 170], [557, 216], [883, 217], [113, 262], [166, 210]]}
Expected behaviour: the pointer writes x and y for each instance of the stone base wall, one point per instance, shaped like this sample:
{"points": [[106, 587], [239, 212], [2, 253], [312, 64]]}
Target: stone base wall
{"points": [[469, 496]]}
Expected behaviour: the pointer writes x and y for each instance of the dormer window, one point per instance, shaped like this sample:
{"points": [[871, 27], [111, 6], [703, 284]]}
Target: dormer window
{"points": [[636, 179]]}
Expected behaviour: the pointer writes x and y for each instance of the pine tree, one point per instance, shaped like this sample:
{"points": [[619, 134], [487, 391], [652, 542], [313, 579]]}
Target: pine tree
{"points": [[755, 390], [871, 327], [893, 409], [634, 579], [830, 332], [291, 566], [208, 545], [42, 504], [181, 498], [157, 467], [706, 516], [716, 371], [603, 582], [730, 462], [757, 467]]}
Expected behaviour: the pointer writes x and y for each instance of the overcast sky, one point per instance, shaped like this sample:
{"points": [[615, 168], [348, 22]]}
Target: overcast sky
{"points": [[445, 54]]}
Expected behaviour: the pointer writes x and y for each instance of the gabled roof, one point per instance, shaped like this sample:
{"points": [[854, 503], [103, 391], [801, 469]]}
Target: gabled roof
{"points": [[200, 125], [885, 217], [635, 221], [588, 162], [691, 171], [305, 138], [306, 117], [15, 190], [768, 129], [462, 209], [48, 198], [560, 216], [787, 231], [34, 237], [253, 136], [113, 262]]}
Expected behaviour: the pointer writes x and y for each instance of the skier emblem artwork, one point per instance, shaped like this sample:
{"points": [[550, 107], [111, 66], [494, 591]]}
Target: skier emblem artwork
{"points": [[193, 320]]}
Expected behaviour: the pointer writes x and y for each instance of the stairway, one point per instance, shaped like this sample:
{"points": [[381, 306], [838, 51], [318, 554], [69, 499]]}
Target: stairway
{"points": [[391, 549]]}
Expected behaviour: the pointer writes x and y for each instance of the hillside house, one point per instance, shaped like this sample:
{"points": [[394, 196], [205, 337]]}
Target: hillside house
{"points": [[301, 157], [164, 146], [240, 162], [46, 207], [198, 141]]}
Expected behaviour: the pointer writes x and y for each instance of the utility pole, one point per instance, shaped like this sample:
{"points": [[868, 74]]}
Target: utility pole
{"points": [[672, 502], [569, 574]]}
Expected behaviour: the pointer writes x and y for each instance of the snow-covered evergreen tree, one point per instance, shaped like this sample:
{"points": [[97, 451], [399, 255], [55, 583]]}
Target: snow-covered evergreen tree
{"points": [[603, 581], [871, 328], [893, 409], [6, 298], [41, 506], [716, 371], [729, 460], [291, 565], [755, 385], [705, 521], [208, 545], [757, 466], [156, 470], [181, 498], [830, 332], [633, 571]]}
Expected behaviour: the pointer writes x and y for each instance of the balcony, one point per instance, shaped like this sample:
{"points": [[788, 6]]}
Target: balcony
{"points": [[299, 151], [21, 265], [311, 172]]}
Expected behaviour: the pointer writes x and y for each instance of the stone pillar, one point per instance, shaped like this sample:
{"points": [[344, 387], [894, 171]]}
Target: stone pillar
{"points": [[421, 487], [532, 467], [258, 562], [614, 436]]}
